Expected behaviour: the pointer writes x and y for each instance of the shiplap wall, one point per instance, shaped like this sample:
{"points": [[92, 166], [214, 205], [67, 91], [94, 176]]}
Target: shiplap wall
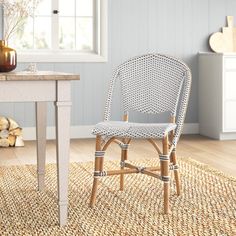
{"points": [[176, 27]]}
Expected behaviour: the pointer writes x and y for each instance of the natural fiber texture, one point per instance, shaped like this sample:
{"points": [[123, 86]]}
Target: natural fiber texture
{"points": [[207, 205], [133, 130], [151, 84]]}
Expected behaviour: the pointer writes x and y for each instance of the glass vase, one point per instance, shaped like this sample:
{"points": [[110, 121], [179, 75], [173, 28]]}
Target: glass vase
{"points": [[8, 57]]}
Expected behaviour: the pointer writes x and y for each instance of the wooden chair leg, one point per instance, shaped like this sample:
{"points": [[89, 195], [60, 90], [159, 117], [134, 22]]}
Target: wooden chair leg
{"points": [[123, 157], [99, 159], [164, 161], [176, 173], [122, 176]]}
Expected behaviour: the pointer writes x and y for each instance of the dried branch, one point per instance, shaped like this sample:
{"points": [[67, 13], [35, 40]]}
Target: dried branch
{"points": [[15, 12]]}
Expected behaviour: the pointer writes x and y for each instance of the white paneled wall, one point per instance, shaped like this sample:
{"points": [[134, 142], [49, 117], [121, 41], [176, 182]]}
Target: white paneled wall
{"points": [[176, 27]]}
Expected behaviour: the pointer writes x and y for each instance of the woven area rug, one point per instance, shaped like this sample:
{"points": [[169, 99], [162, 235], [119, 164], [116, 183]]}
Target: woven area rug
{"points": [[207, 205]]}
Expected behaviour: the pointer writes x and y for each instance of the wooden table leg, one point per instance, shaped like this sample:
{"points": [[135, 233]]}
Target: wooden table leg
{"points": [[63, 109], [41, 126]]}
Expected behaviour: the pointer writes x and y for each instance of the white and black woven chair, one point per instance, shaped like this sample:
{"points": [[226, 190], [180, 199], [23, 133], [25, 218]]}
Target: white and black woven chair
{"points": [[152, 84]]}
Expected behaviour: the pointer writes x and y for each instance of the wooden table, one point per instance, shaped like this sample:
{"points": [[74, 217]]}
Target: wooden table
{"points": [[42, 87]]}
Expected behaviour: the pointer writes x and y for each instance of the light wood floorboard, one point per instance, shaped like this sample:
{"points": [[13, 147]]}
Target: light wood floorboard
{"points": [[218, 154]]}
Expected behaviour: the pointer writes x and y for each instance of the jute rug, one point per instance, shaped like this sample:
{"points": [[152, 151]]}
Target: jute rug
{"points": [[206, 207]]}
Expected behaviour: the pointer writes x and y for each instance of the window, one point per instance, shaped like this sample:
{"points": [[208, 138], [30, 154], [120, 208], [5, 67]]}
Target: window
{"points": [[64, 30]]}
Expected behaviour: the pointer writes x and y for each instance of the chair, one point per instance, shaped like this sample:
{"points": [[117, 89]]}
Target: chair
{"points": [[151, 84]]}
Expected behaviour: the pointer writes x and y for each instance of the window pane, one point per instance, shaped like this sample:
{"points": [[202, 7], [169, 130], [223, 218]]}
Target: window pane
{"points": [[67, 7], [84, 7], [23, 37], [75, 27], [44, 8], [84, 37], [66, 32], [42, 32]]}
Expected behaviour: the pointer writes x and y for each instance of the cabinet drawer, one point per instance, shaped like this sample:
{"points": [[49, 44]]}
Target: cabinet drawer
{"points": [[230, 85], [230, 63], [230, 116]]}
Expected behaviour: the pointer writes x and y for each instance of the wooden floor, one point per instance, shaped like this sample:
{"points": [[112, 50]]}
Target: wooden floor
{"points": [[218, 154]]}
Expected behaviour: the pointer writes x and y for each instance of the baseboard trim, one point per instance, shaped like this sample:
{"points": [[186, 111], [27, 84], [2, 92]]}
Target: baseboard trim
{"points": [[84, 131]]}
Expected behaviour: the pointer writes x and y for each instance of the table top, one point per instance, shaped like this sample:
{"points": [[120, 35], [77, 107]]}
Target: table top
{"points": [[39, 75]]}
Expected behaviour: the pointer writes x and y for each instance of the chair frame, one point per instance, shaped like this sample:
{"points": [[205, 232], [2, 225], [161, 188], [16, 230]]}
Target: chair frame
{"points": [[167, 156], [166, 165]]}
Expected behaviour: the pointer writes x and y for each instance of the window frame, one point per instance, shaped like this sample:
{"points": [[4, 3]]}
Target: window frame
{"points": [[100, 43]]}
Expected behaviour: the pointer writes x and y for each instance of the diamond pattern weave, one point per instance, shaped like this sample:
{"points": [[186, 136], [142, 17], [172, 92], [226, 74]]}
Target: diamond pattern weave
{"points": [[152, 84], [133, 130]]}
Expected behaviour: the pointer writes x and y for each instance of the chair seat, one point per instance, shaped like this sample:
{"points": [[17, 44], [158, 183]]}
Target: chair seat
{"points": [[132, 130]]}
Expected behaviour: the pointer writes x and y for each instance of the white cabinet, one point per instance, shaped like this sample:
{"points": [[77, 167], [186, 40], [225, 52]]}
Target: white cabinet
{"points": [[217, 95]]}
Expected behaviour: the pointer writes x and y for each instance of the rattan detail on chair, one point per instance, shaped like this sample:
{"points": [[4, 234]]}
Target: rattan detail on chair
{"points": [[150, 84]]}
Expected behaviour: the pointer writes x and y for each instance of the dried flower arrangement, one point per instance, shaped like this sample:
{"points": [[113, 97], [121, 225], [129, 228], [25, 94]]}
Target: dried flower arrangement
{"points": [[15, 13]]}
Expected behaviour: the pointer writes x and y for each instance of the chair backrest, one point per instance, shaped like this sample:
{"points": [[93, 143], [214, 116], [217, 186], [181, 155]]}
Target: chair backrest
{"points": [[152, 83]]}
